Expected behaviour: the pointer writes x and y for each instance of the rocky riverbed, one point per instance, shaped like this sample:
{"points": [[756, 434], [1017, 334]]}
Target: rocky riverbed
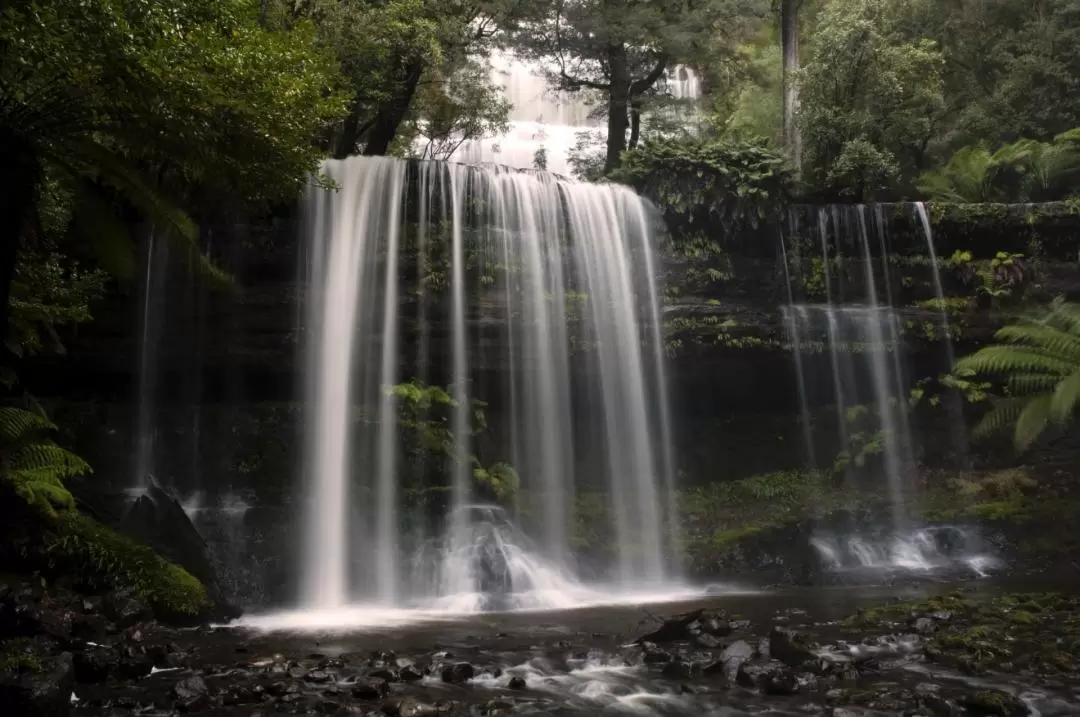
{"points": [[932, 650]]}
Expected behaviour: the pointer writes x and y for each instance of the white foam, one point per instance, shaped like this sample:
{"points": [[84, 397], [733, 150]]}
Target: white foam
{"points": [[375, 616]]}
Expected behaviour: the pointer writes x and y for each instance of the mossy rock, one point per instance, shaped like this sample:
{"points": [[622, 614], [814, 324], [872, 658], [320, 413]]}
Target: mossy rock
{"points": [[93, 557]]}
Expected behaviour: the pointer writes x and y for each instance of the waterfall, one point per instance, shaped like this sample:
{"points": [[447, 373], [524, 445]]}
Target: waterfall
{"points": [[548, 282], [546, 119], [862, 335]]}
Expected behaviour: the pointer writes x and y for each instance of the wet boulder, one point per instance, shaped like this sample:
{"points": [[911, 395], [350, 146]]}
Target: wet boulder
{"points": [[95, 665], [125, 610], [761, 673], [457, 673], [409, 707], [517, 683], [731, 659], [191, 694], [994, 703], [40, 687], [790, 647], [681, 670], [690, 626], [370, 688]]}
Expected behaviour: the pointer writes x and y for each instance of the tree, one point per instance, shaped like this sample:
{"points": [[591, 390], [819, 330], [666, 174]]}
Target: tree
{"points": [[621, 48], [400, 64], [1038, 362], [124, 102], [871, 98], [789, 44]]}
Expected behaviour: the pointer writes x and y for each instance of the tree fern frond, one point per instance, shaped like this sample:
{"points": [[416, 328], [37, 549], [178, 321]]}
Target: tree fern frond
{"points": [[1026, 384], [1004, 412], [1032, 420], [1065, 399], [1063, 315], [1005, 359], [18, 425], [50, 457], [1044, 336]]}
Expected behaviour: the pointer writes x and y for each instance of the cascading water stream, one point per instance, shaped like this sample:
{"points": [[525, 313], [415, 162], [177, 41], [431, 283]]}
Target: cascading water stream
{"points": [[552, 239]]}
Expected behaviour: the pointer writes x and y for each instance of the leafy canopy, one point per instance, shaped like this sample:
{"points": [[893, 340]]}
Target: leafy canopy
{"points": [[871, 94]]}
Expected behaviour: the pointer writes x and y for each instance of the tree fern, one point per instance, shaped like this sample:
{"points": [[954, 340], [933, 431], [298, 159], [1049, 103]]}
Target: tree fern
{"points": [[33, 464], [1038, 363]]}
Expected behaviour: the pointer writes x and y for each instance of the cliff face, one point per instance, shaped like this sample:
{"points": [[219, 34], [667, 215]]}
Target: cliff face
{"points": [[221, 394]]}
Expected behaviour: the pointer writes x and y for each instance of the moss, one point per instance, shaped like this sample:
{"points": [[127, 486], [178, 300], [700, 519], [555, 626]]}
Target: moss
{"points": [[94, 557], [1021, 617], [19, 654], [724, 538]]}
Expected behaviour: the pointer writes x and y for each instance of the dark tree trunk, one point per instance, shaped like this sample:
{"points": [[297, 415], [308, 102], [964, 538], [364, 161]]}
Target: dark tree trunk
{"points": [[789, 45], [350, 133], [392, 114], [618, 103], [18, 184], [635, 124]]}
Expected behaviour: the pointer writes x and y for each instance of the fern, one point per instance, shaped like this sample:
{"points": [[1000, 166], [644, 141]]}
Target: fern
{"points": [[34, 465], [1038, 361]]}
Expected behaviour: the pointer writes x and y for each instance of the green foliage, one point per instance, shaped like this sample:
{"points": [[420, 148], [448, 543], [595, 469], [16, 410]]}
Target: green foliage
{"points": [[94, 557], [701, 183], [1038, 363], [34, 465], [118, 104], [49, 291], [870, 94], [1019, 172], [500, 481]]}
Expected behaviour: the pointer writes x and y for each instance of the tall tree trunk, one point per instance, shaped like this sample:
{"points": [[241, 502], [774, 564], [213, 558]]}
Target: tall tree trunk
{"points": [[635, 124], [390, 116], [789, 44], [618, 104], [18, 184]]}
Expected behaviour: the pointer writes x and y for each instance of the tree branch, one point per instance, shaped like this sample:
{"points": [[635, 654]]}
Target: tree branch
{"points": [[640, 86]]}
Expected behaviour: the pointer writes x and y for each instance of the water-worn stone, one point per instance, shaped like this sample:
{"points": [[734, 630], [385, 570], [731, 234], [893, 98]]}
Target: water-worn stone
{"points": [[370, 688], [458, 672], [681, 670], [517, 683], [790, 647], [122, 608], [409, 707], [758, 673], [191, 694], [42, 692], [731, 659], [688, 626], [410, 673], [95, 664], [994, 703]]}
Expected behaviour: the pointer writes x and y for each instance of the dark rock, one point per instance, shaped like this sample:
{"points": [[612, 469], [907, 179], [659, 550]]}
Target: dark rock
{"points": [[709, 642], [91, 605], [387, 674], [91, 627], [42, 692], [517, 683], [731, 659], [687, 626], [790, 647], [243, 696], [758, 673], [122, 608], [458, 673], [370, 688], [191, 694], [282, 688], [95, 664], [740, 624], [924, 625], [134, 663], [681, 670], [166, 656], [157, 519], [781, 682], [994, 703], [410, 673], [318, 677], [328, 707], [409, 707]]}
